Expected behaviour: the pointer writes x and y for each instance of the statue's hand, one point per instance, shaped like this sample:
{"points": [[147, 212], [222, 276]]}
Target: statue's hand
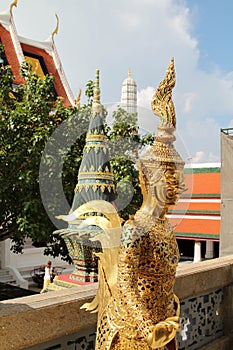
{"points": [[163, 332]]}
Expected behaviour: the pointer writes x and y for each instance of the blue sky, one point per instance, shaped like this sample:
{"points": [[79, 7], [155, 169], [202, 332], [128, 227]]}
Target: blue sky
{"points": [[213, 28], [143, 35]]}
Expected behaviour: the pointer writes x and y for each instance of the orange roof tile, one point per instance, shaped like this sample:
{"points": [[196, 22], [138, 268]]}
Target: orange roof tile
{"points": [[203, 183], [197, 206], [196, 228], [12, 58], [197, 214]]}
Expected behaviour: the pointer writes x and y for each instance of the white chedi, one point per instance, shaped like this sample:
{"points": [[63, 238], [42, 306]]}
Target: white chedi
{"points": [[129, 94]]}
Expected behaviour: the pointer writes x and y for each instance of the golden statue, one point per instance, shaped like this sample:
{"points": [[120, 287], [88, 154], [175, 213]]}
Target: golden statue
{"points": [[136, 305]]}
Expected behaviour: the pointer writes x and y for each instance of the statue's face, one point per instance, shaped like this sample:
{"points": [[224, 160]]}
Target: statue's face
{"points": [[167, 185], [175, 184]]}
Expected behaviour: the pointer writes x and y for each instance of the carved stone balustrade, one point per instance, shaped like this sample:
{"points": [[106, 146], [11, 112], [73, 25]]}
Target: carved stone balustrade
{"points": [[54, 320]]}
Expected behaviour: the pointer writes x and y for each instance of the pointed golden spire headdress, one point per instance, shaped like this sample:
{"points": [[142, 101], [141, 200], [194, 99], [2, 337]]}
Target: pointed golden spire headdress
{"points": [[163, 150], [56, 29], [162, 104], [13, 4]]}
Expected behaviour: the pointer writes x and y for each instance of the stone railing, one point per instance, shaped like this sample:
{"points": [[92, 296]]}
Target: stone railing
{"points": [[205, 290], [55, 321]]}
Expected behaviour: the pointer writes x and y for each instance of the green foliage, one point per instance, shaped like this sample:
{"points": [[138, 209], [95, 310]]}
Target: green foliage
{"points": [[29, 115], [6, 87], [89, 92], [121, 116]]}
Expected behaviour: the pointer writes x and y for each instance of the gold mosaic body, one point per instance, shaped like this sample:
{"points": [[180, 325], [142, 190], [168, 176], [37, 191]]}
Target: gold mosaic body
{"points": [[148, 258]]}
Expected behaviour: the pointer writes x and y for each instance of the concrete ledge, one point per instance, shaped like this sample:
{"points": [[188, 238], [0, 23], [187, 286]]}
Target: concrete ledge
{"points": [[30, 320], [223, 343], [199, 278]]}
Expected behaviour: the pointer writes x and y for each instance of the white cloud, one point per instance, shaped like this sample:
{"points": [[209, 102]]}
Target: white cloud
{"points": [[190, 99], [144, 97], [199, 157], [201, 139], [203, 157]]}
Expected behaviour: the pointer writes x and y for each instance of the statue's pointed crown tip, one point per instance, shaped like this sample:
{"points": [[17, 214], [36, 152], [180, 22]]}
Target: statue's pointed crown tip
{"points": [[172, 63], [162, 104]]}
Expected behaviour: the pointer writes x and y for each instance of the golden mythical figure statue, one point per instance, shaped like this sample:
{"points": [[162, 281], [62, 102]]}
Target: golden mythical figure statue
{"points": [[136, 305]]}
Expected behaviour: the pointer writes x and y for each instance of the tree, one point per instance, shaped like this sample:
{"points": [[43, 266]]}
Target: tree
{"points": [[29, 115]]}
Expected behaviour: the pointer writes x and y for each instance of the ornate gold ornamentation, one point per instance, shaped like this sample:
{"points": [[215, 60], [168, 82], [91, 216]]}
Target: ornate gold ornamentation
{"points": [[138, 309], [56, 29], [13, 4], [96, 206], [110, 225], [35, 65], [162, 103], [96, 138], [107, 175], [78, 99], [94, 186]]}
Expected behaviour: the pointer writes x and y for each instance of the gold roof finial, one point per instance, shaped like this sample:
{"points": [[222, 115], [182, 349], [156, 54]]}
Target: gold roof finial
{"points": [[13, 4], [129, 73], [77, 101], [57, 27], [162, 104]]}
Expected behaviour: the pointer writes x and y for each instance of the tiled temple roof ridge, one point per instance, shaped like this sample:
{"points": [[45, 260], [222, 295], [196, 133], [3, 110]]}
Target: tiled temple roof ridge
{"points": [[48, 46]]}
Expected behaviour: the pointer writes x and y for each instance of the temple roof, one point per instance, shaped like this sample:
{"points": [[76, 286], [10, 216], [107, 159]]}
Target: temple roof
{"points": [[42, 55], [197, 213]]}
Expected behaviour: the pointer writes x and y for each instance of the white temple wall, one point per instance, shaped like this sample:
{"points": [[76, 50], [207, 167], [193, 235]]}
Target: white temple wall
{"points": [[31, 257]]}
